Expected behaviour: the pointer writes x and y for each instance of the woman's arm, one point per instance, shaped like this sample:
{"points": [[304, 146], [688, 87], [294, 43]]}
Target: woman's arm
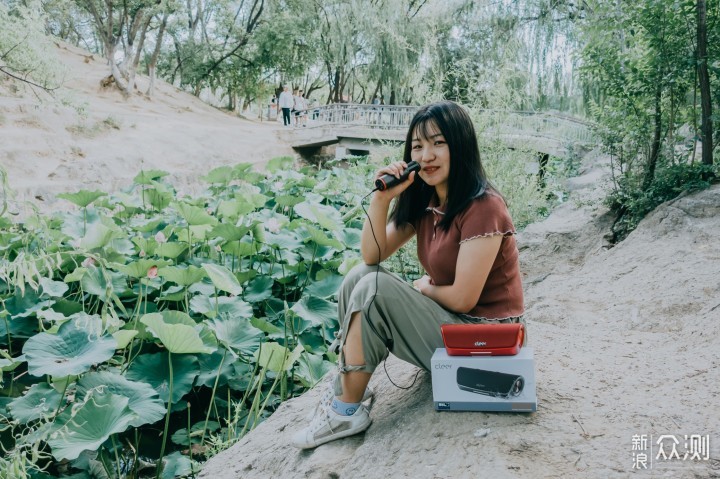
{"points": [[376, 226], [475, 259]]}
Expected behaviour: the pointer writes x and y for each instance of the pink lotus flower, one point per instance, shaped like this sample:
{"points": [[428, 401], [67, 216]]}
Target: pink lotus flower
{"points": [[87, 262], [160, 237], [142, 253], [152, 272]]}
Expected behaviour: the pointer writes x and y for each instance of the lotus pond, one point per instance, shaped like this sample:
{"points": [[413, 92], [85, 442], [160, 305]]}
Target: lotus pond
{"points": [[144, 331]]}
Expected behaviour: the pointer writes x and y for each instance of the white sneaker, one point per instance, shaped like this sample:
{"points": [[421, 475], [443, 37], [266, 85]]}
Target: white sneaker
{"points": [[329, 394], [327, 426]]}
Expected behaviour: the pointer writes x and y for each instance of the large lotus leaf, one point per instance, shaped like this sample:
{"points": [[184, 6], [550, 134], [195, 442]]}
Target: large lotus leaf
{"points": [[97, 282], [177, 338], [259, 289], [147, 245], [154, 370], [326, 287], [323, 215], [23, 305], [82, 198], [350, 237], [8, 363], [236, 333], [124, 336], [256, 199], [229, 232], [182, 438], [145, 225], [41, 400], [170, 250], [286, 241], [233, 209], [53, 289], [280, 163], [69, 352], [316, 310], [76, 275], [276, 357], [88, 427], [220, 175], [312, 368], [75, 224], [288, 200], [139, 269], [143, 400], [158, 197], [266, 326], [309, 232], [177, 317], [182, 276], [146, 177], [234, 307], [197, 233], [194, 215], [223, 278], [209, 366], [19, 328], [98, 235], [177, 465], [240, 249]]}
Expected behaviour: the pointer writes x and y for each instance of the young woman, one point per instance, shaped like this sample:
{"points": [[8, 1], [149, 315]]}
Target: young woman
{"points": [[465, 243]]}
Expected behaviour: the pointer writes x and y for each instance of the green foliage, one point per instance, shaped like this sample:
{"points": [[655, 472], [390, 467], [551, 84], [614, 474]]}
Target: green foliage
{"points": [[632, 203], [640, 71], [25, 52]]}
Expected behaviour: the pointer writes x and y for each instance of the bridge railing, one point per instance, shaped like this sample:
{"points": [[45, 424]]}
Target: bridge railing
{"points": [[553, 126], [389, 117], [542, 124]]}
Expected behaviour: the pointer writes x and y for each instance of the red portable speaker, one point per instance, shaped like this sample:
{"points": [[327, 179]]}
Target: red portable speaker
{"points": [[502, 339]]}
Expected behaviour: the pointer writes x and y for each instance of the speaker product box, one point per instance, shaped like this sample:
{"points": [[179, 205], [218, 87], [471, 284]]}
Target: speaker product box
{"points": [[487, 383]]}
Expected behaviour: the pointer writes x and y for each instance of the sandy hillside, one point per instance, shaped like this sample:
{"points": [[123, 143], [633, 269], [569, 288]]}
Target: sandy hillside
{"points": [[625, 341], [89, 137]]}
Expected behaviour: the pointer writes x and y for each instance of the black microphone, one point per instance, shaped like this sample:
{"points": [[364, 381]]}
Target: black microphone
{"points": [[388, 181]]}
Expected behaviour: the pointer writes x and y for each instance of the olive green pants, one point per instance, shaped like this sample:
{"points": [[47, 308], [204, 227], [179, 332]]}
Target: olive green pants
{"points": [[398, 319]]}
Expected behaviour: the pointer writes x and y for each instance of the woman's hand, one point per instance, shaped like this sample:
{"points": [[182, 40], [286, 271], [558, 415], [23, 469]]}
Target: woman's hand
{"points": [[422, 284], [395, 169]]}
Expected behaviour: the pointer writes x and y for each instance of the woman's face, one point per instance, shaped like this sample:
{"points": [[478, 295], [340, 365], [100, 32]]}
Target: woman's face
{"points": [[432, 152]]}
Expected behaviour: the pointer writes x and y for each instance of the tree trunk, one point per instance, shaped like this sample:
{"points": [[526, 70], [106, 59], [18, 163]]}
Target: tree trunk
{"points": [[655, 149], [706, 132], [155, 55]]}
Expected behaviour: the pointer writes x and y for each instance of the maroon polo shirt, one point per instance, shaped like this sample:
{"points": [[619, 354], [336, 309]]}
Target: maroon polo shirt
{"points": [[502, 295]]}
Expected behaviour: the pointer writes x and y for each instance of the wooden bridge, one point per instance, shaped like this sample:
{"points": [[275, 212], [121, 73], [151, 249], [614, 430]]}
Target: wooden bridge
{"points": [[365, 129]]}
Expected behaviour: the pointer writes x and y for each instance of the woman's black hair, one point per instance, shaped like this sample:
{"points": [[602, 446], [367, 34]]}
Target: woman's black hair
{"points": [[466, 180]]}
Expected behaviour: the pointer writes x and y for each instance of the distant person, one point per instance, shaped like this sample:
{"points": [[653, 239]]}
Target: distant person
{"points": [[300, 108], [375, 100], [465, 242], [286, 103], [294, 111]]}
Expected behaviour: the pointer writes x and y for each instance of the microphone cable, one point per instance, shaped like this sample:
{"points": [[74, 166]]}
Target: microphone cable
{"points": [[389, 343]]}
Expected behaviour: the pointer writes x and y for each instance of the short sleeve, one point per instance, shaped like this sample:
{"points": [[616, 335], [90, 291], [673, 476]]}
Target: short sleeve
{"points": [[485, 216]]}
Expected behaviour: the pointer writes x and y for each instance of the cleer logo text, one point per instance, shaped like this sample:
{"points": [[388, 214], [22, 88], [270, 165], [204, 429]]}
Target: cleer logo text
{"points": [[480, 343], [443, 366]]}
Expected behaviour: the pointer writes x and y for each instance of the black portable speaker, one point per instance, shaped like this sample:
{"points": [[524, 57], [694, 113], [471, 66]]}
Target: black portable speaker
{"points": [[490, 383]]}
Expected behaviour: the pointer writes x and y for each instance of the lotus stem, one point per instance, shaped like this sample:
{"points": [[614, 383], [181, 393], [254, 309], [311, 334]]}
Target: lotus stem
{"points": [[167, 420], [212, 397]]}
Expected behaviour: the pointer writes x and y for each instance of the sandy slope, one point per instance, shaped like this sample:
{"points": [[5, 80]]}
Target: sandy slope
{"points": [[90, 137]]}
